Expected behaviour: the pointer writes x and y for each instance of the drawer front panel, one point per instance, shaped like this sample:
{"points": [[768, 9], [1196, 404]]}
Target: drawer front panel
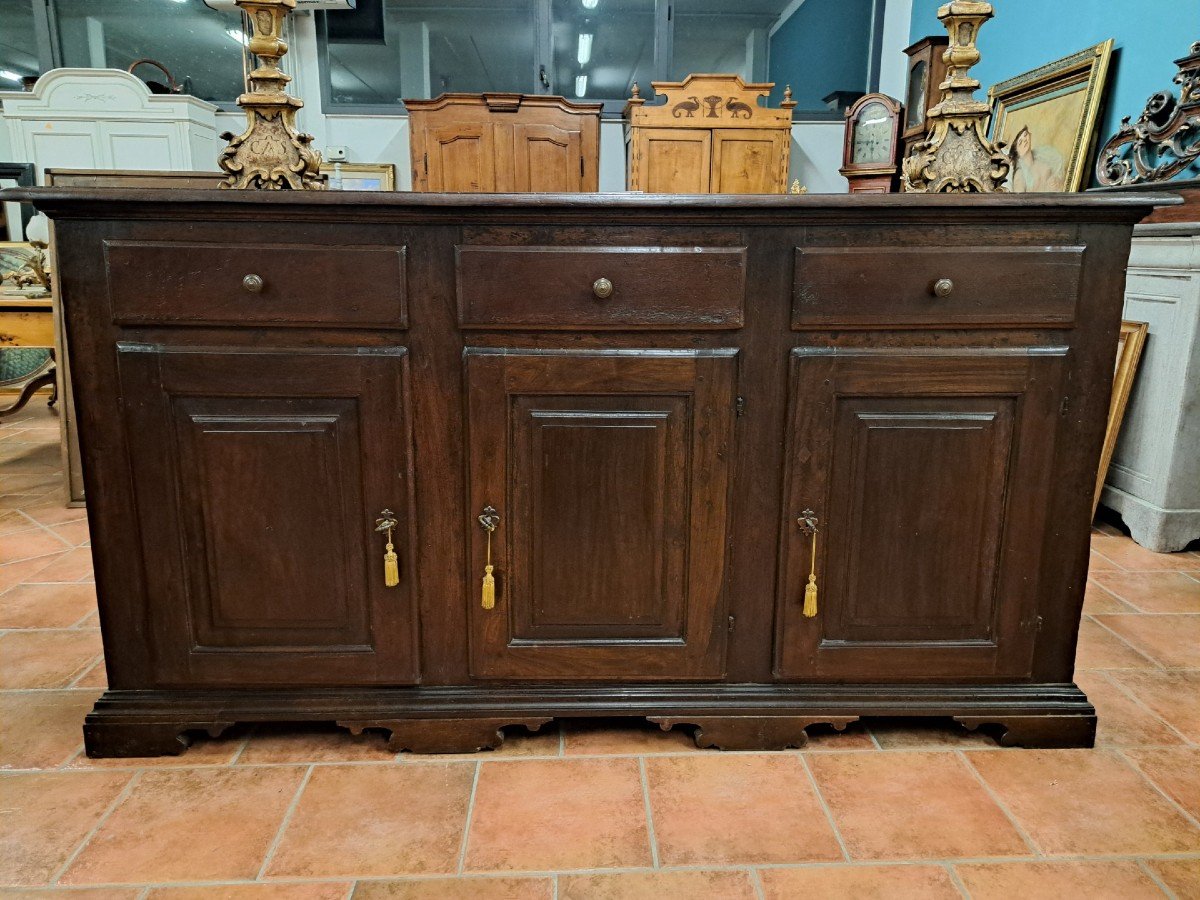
{"points": [[168, 282], [933, 287], [556, 287]]}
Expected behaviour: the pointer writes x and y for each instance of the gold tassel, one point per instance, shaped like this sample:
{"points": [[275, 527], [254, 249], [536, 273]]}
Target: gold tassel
{"points": [[489, 588], [810, 589], [391, 567]]}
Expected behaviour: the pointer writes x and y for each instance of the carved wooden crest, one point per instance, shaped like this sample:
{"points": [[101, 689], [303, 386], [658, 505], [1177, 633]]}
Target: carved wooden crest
{"points": [[710, 101]]}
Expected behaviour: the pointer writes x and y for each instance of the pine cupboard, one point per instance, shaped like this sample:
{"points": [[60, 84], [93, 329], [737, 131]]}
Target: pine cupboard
{"points": [[737, 465]]}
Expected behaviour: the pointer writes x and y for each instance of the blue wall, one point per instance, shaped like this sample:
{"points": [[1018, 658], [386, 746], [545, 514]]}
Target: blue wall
{"points": [[1025, 34], [820, 49]]}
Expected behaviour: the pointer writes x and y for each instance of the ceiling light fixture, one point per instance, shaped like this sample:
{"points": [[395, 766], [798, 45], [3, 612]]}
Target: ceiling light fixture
{"points": [[580, 85], [10, 75], [584, 53], [238, 35], [590, 4]]}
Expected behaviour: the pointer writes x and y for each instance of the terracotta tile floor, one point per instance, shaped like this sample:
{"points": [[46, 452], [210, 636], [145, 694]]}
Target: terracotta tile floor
{"points": [[895, 809]]}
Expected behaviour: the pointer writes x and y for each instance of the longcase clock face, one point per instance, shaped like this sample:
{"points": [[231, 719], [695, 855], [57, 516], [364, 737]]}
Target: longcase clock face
{"points": [[872, 142]]}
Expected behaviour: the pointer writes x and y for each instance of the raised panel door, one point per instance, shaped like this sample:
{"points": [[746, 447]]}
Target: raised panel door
{"points": [[672, 161], [749, 161], [610, 474], [259, 477], [927, 472], [461, 158], [547, 158]]}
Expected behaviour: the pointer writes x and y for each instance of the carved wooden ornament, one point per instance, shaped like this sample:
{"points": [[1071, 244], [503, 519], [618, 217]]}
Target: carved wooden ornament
{"points": [[956, 155], [270, 154]]}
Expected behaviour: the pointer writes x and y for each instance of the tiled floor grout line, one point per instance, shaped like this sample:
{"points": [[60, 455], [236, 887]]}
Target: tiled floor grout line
{"points": [[351, 889], [1127, 643], [122, 796], [871, 734], [466, 835], [756, 883], [554, 886], [956, 879], [242, 749], [812, 780], [649, 811], [1137, 701], [562, 737], [1154, 784], [283, 824], [1020, 829], [1153, 876]]}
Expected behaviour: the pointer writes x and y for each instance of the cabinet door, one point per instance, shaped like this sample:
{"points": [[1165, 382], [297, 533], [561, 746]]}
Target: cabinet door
{"points": [[749, 161], [671, 161], [610, 472], [547, 158], [259, 477], [928, 472], [461, 157]]}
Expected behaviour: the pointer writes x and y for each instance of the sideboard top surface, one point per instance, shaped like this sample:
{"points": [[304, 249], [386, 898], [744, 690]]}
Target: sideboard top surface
{"points": [[109, 203]]}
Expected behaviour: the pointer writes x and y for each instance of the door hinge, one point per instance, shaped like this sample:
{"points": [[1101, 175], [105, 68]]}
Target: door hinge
{"points": [[731, 624], [739, 406], [1064, 406]]}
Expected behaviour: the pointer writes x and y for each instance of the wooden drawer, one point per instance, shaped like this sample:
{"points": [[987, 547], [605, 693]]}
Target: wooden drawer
{"points": [[554, 287], [174, 282], [873, 287]]}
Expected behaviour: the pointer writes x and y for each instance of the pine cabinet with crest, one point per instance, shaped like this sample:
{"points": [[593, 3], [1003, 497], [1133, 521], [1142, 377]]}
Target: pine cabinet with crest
{"points": [[709, 136]]}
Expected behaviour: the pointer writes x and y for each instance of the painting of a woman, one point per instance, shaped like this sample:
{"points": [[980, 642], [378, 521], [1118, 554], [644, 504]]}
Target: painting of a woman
{"points": [[1035, 167]]}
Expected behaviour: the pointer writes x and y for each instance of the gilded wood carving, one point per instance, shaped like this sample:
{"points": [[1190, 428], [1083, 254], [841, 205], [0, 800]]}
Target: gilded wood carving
{"points": [[270, 154]]}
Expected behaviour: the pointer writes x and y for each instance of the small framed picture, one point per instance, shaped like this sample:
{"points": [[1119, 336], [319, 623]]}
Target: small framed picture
{"points": [[343, 176], [1129, 352]]}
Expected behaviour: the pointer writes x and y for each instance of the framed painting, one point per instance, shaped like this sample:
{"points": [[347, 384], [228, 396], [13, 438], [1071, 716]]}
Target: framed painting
{"points": [[359, 176], [1129, 352], [1047, 118]]}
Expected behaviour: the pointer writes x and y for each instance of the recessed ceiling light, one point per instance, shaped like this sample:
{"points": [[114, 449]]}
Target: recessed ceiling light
{"points": [[584, 53], [580, 85], [9, 75], [238, 35], [590, 4]]}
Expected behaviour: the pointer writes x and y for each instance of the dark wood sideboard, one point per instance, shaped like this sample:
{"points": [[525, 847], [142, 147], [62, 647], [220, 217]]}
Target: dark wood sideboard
{"points": [[652, 393]]}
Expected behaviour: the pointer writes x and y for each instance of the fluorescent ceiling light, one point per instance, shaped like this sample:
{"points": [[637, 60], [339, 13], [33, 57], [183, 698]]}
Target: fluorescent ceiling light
{"points": [[580, 85], [238, 35], [9, 75], [584, 52], [590, 4]]}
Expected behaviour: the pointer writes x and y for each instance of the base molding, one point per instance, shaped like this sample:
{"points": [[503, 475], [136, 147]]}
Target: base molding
{"points": [[466, 718]]}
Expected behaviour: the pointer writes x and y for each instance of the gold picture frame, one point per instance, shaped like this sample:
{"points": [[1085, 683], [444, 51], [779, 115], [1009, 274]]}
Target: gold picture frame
{"points": [[343, 176], [1129, 353], [1048, 116]]}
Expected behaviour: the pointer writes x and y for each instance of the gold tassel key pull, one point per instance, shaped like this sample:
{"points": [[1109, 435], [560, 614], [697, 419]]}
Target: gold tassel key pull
{"points": [[489, 520], [386, 524], [808, 524]]}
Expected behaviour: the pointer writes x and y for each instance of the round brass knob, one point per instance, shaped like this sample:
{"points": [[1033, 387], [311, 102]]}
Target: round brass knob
{"points": [[943, 287], [602, 288], [253, 283]]}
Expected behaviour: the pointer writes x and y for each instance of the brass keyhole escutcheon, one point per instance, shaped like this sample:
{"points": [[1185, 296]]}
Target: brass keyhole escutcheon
{"points": [[253, 283], [602, 288], [943, 287]]}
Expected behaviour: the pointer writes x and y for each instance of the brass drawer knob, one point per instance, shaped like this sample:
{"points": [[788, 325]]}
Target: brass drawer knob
{"points": [[943, 287], [602, 288], [253, 283]]}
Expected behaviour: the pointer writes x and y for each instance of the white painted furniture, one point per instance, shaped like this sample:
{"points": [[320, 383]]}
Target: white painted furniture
{"points": [[1154, 479], [108, 119]]}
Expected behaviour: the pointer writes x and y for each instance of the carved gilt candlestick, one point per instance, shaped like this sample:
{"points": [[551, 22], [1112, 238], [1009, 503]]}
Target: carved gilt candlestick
{"points": [[270, 154], [956, 155]]}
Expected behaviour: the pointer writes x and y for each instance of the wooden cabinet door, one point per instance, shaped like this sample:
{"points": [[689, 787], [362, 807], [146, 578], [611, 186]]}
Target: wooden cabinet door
{"points": [[671, 161], [928, 471], [461, 158], [610, 473], [259, 476], [749, 161], [547, 158]]}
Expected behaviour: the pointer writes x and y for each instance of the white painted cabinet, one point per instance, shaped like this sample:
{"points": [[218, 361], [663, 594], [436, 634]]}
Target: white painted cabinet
{"points": [[1154, 479]]}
